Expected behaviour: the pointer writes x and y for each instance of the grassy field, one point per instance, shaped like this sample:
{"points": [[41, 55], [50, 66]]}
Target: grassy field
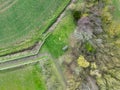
{"points": [[116, 13], [60, 37], [25, 78], [23, 21]]}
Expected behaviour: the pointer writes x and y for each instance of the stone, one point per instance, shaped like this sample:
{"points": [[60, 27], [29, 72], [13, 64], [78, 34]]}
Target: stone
{"points": [[65, 48]]}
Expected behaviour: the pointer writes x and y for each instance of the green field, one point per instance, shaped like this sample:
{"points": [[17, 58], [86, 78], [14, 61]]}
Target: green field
{"points": [[116, 13], [23, 21], [60, 37], [24, 78]]}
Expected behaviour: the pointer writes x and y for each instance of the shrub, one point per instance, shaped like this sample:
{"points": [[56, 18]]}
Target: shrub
{"points": [[114, 29], [83, 62], [106, 15], [76, 15], [89, 47]]}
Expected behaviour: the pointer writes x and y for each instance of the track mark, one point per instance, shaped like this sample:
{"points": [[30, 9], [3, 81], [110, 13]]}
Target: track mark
{"points": [[5, 6]]}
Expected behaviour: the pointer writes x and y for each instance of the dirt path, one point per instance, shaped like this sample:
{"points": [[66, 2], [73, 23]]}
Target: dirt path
{"points": [[51, 29], [22, 61]]}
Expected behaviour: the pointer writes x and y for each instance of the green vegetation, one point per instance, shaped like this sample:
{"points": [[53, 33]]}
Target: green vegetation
{"points": [[23, 21], [83, 62], [24, 78], [59, 38], [89, 47], [111, 13], [116, 9]]}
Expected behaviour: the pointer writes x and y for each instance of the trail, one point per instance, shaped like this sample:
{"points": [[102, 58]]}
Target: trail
{"points": [[21, 62]]}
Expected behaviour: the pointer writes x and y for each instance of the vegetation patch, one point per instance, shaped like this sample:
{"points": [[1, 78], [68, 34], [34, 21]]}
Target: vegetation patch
{"points": [[116, 9], [24, 78], [59, 38]]}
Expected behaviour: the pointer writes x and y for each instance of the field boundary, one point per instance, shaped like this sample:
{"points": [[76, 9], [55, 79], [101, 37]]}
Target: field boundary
{"points": [[22, 62]]}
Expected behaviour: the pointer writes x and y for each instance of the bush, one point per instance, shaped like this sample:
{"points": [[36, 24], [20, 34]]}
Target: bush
{"points": [[77, 10], [106, 15], [89, 47], [76, 15], [114, 29], [83, 62]]}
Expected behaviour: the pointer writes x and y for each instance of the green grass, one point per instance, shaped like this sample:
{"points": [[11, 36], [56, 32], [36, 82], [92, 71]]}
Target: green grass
{"points": [[116, 12], [23, 22], [59, 38], [25, 78]]}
